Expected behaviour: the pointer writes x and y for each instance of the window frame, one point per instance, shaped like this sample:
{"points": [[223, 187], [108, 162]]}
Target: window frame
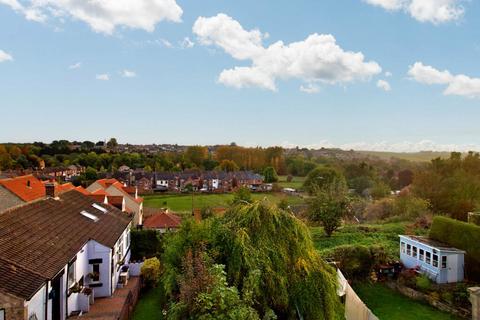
{"points": [[71, 267], [435, 261], [409, 249], [444, 262], [428, 257], [414, 252], [421, 254]]}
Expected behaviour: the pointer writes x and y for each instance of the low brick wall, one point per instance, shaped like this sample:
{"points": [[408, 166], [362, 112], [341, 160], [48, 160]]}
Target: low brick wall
{"points": [[420, 296]]}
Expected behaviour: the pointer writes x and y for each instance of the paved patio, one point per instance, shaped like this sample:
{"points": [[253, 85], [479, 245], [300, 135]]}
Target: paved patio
{"points": [[118, 307]]}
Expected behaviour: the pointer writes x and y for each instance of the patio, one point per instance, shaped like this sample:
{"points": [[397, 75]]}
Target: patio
{"points": [[118, 307]]}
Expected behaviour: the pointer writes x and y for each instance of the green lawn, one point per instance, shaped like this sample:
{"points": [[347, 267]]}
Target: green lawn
{"points": [[387, 304], [149, 306], [183, 203], [296, 183], [363, 234]]}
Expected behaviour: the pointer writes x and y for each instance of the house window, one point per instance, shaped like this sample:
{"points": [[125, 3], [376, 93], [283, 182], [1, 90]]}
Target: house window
{"points": [[120, 250], [409, 249], [95, 277], [435, 260], [414, 251], [444, 262], [71, 275], [428, 257], [402, 246], [421, 255], [2, 314]]}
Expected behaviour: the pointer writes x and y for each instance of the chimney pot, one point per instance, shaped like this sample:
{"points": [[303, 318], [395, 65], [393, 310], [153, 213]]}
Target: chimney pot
{"points": [[50, 191]]}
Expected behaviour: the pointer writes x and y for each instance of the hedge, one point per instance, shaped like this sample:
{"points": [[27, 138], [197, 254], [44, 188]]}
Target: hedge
{"points": [[144, 244], [461, 235]]}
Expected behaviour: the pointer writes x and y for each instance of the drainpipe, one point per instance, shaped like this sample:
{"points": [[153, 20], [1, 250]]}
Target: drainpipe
{"points": [[46, 299]]}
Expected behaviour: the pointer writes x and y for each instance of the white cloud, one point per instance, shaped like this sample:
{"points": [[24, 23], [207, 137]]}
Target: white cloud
{"points": [[434, 11], [384, 85], [402, 146], [75, 66], [460, 85], [166, 43], [316, 59], [388, 74], [310, 88], [128, 74], [102, 16], [5, 56], [186, 43], [103, 77]]}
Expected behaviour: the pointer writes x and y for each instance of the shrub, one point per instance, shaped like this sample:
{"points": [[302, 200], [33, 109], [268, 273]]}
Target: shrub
{"points": [[474, 217], [462, 235], [355, 261], [289, 178], [151, 272], [423, 283]]}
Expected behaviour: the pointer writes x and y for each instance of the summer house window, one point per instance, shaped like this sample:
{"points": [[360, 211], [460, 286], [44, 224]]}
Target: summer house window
{"points": [[428, 257], [444, 262], [435, 260], [414, 252], [409, 249], [421, 255], [402, 245]]}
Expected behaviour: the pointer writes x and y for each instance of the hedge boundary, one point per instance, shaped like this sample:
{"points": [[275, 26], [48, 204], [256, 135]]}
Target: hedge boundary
{"points": [[461, 235]]}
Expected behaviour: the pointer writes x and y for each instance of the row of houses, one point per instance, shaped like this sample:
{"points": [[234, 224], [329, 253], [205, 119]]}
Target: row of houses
{"points": [[62, 173], [204, 181], [60, 248]]}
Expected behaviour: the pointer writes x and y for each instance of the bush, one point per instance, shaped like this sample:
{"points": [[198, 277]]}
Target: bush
{"points": [[151, 272], [355, 261], [423, 283], [462, 235]]}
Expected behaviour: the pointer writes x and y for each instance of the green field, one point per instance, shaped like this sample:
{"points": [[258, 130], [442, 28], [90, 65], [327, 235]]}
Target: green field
{"points": [[149, 306], [387, 304], [183, 203], [363, 234], [296, 183]]}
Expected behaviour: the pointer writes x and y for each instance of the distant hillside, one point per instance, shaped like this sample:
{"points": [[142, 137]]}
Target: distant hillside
{"points": [[423, 156]]}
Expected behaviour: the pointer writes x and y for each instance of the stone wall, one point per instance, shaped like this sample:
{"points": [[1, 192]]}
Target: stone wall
{"points": [[475, 300], [420, 296], [14, 307]]}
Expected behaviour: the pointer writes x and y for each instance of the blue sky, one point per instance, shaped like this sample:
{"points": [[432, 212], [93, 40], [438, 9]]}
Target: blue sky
{"points": [[53, 57]]}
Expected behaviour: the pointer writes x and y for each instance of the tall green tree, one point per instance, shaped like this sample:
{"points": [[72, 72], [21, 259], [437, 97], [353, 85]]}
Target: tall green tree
{"points": [[270, 175], [325, 178]]}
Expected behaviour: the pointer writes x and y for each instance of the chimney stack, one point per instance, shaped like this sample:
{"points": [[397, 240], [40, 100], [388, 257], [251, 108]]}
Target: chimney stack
{"points": [[50, 190]]}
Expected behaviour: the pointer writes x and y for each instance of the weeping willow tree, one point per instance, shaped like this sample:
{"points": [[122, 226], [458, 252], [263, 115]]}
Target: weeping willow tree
{"points": [[268, 256]]}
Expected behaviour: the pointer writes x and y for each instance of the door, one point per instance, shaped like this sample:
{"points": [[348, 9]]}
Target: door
{"points": [[452, 268], [56, 296]]}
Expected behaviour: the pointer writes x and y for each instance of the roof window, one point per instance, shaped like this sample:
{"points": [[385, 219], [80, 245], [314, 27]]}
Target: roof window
{"points": [[89, 215], [100, 208]]}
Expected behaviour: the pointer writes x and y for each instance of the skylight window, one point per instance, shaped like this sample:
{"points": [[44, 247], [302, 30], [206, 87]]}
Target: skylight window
{"points": [[89, 215], [98, 207]]}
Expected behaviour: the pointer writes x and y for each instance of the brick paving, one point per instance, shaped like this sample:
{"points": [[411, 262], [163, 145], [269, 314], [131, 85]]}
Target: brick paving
{"points": [[117, 307]]}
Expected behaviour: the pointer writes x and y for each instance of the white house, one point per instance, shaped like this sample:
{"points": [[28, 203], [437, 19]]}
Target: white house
{"points": [[439, 262], [112, 187], [59, 254]]}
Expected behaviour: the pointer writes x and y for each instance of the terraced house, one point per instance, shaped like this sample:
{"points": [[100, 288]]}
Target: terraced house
{"points": [[60, 253]]}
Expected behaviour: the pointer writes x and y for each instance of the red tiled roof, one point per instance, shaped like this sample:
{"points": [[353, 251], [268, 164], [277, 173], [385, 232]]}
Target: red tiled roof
{"points": [[115, 200], [130, 190], [64, 187], [162, 220], [105, 183], [99, 192], [27, 188], [97, 197], [82, 190], [138, 200]]}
